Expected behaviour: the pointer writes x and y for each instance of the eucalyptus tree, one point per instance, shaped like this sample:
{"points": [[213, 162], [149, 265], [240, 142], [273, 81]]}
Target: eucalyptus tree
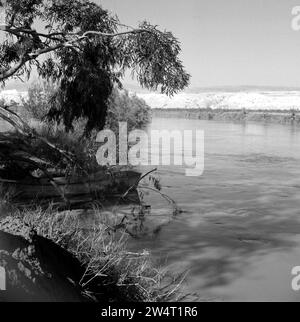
{"points": [[86, 51]]}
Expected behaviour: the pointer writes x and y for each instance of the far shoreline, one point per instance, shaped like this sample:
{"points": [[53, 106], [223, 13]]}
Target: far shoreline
{"points": [[233, 115]]}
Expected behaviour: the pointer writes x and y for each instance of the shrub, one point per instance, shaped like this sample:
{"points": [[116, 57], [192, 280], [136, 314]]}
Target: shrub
{"points": [[122, 108], [127, 108], [37, 103]]}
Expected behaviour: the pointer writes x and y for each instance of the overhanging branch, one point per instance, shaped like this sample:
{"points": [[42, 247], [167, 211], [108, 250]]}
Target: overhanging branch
{"points": [[13, 70], [60, 43]]}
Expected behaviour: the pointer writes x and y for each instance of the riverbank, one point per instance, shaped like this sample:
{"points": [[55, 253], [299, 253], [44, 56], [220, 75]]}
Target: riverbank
{"points": [[269, 116], [81, 255], [75, 257]]}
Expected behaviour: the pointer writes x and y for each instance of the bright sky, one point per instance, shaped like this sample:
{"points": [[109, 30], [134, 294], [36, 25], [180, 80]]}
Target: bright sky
{"points": [[226, 43]]}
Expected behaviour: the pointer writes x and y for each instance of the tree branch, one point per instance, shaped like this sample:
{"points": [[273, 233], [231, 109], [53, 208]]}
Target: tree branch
{"points": [[98, 33], [18, 32], [13, 70]]}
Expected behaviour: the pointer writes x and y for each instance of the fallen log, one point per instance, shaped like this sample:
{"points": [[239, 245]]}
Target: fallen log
{"points": [[76, 189]]}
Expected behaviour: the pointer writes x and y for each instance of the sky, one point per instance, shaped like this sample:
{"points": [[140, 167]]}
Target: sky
{"points": [[225, 43]]}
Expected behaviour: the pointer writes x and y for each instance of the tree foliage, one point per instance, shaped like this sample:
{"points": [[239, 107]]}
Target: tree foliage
{"points": [[86, 51], [127, 108], [122, 107]]}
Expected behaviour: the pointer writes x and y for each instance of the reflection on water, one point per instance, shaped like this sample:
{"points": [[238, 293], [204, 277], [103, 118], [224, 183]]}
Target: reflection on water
{"points": [[239, 234]]}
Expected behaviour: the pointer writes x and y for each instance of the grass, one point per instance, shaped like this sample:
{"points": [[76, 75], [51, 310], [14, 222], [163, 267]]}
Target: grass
{"points": [[112, 273]]}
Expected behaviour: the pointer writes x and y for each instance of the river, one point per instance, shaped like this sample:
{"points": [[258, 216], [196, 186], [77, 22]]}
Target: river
{"points": [[238, 236], [239, 233]]}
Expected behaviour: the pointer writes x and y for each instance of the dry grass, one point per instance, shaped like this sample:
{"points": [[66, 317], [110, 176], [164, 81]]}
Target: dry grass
{"points": [[112, 273]]}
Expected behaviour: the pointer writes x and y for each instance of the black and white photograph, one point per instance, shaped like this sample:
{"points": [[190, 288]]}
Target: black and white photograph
{"points": [[149, 154]]}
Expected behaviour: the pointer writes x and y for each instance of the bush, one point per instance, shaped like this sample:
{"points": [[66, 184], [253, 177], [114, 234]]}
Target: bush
{"points": [[122, 108], [126, 108], [37, 103], [83, 149]]}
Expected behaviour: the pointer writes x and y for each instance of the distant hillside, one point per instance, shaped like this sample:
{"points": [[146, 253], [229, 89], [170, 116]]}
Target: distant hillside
{"points": [[12, 96], [219, 89], [234, 89], [250, 100]]}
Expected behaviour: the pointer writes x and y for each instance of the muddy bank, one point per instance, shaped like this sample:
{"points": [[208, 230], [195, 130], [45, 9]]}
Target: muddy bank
{"points": [[39, 270], [280, 117], [36, 268], [76, 257]]}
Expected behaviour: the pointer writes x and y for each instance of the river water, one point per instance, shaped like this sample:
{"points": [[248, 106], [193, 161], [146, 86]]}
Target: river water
{"points": [[239, 233], [238, 236]]}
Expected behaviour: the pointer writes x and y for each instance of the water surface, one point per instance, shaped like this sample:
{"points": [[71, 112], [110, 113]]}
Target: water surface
{"points": [[239, 234]]}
